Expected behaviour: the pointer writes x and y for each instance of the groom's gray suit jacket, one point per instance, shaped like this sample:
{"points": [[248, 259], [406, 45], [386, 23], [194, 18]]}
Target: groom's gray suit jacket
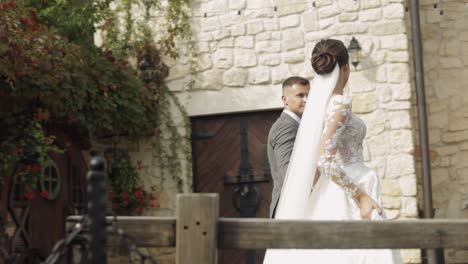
{"points": [[280, 145]]}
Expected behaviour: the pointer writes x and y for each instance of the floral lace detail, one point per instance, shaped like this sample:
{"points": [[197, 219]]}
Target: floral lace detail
{"points": [[338, 115]]}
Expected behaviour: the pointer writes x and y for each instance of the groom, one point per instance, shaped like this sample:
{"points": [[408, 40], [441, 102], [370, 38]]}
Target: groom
{"points": [[283, 133]]}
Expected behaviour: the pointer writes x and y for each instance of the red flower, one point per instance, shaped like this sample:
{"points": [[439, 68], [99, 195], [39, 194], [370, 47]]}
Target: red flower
{"points": [[113, 87], [125, 202], [24, 21], [140, 165], [153, 198], [36, 168], [33, 16], [139, 210], [108, 156], [18, 150], [30, 195], [124, 195], [153, 205], [44, 194], [29, 167], [111, 196], [138, 194], [48, 140]]}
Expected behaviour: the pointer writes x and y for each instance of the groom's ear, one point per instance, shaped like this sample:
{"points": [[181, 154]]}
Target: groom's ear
{"points": [[284, 99]]}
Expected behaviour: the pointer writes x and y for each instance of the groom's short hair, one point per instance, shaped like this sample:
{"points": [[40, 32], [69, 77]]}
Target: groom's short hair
{"points": [[295, 80]]}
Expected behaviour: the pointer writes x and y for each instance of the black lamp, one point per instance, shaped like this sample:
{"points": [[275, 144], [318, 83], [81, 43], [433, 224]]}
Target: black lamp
{"points": [[354, 50], [146, 68]]}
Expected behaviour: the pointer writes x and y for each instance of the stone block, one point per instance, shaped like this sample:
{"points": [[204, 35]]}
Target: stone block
{"points": [[269, 59], [268, 47], [398, 72], [310, 21], [409, 206], [328, 11], [399, 119], [288, 7], [255, 27], [370, 15], [452, 137], [245, 42], [397, 56], [238, 30], [367, 4], [294, 56], [245, 58], [408, 185], [389, 202], [401, 92], [394, 11], [259, 75], [348, 17], [395, 42], [235, 77], [390, 188], [292, 39], [402, 141], [387, 28], [223, 58], [290, 21], [280, 73], [399, 165], [365, 103]]}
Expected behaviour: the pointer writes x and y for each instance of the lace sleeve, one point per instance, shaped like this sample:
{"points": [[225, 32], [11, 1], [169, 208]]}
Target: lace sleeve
{"points": [[335, 123]]}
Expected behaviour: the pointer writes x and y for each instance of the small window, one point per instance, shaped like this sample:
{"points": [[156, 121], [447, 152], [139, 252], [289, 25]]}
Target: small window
{"points": [[50, 180]]}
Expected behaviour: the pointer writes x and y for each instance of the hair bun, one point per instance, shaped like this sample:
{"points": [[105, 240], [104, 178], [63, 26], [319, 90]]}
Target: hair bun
{"points": [[323, 62]]}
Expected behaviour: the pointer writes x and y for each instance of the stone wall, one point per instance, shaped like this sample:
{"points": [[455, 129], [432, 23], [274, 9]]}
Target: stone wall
{"points": [[445, 45]]}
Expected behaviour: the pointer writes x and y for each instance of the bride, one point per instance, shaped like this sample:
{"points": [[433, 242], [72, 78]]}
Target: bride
{"points": [[326, 178]]}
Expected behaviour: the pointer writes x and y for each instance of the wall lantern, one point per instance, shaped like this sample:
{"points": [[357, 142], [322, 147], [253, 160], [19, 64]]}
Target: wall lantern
{"points": [[354, 50], [146, 68]]}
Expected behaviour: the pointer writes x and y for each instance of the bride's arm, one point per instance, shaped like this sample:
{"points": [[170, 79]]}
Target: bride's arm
{"points": [[328, 165], [335, 124]]}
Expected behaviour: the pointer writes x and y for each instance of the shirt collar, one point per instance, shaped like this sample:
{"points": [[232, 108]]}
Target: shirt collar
{"points": [[293, 115]]}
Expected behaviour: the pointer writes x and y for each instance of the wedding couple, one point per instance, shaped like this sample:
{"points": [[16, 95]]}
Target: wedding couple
{"points": [[316, 160]]}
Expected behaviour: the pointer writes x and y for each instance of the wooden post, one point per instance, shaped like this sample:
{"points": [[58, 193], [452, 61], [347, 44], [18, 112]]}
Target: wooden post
{"points": [[197, 228]]}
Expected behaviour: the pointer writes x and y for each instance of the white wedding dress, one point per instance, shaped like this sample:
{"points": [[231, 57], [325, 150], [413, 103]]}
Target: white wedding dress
{"points": [[342, 172]]}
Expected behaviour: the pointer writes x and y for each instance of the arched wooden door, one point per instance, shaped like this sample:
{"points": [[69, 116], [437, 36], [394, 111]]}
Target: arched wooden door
{"points": [[64, 178], [229, 154], [36, 225]]}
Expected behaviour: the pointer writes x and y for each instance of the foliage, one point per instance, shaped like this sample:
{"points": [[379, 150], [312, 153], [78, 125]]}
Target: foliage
{"points": [[29, 148], [127, 191], [134, 37], [49, 62]]}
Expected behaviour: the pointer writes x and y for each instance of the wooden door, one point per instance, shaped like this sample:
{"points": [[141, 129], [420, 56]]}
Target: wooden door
{"points": [[66, 174], [224, 148]]}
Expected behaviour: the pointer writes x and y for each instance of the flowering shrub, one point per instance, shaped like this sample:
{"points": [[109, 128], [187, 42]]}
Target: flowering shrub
{"points": [[127, 192], [58, 83], [29, 149]]}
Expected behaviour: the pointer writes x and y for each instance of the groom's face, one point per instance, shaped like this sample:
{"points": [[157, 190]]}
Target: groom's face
{"points": [[295, 97]]}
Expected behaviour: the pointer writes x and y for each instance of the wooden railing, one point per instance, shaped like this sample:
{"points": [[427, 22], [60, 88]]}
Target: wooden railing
{"points": [[197, 232]]}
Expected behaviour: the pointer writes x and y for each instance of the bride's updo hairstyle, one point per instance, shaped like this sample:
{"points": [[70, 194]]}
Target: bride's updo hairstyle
{"points": [[327, 53]]}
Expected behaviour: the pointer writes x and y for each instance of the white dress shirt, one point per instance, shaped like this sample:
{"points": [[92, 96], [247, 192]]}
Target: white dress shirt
{"points": [[293, 115]]}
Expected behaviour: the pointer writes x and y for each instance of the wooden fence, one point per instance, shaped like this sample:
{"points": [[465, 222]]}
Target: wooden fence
{"points": [[197, 232]]}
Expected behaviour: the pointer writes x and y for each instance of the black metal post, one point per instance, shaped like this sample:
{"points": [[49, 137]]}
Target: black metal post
{"points": [[97, 210], [422, 117]]}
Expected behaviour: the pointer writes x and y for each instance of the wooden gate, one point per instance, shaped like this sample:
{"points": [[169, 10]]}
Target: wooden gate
{"points": [[229, 154]]}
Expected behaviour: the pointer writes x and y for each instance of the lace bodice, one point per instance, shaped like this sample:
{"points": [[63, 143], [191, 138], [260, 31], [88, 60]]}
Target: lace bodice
{"points": [[341, 142]]}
